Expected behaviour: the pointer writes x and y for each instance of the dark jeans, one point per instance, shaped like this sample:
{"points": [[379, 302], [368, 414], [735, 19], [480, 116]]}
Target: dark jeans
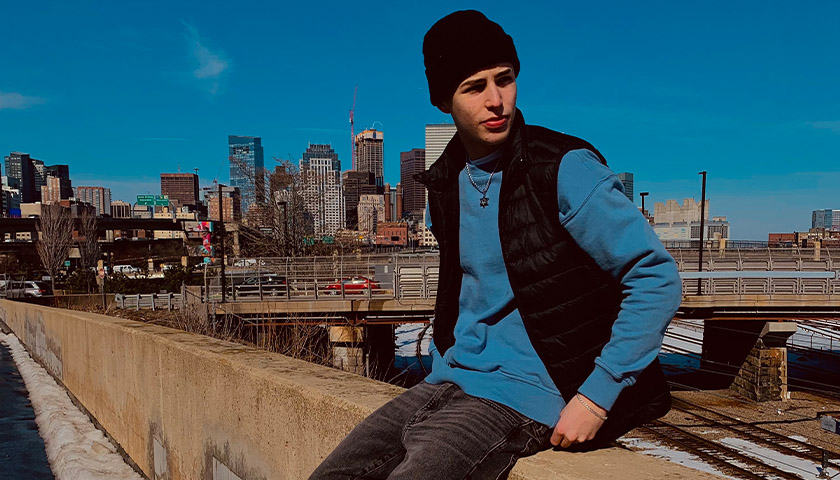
{"points": [[435, 432]]}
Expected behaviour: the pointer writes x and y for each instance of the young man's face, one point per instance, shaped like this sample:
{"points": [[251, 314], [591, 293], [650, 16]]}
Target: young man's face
{"points": [[483, 108]]}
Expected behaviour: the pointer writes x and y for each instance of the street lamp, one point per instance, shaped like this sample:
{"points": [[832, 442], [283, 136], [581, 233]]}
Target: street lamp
{"points": [[643, 195], [702, 227]]}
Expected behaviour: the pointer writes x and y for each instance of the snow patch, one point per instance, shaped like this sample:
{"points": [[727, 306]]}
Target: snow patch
{"points": [[795, 465], [406, 339], [659, 451], [75, 448]]}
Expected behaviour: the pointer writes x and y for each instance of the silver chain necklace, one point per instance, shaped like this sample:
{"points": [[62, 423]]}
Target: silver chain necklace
{"points": [[483, 191]]}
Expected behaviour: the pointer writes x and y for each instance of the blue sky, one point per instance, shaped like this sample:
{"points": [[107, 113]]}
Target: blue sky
{"points": [[122, 91]]}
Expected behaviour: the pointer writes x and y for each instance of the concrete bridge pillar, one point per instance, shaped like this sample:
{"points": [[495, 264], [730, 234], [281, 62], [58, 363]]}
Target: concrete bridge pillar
{"points": [[753, 352], [347, 351]]}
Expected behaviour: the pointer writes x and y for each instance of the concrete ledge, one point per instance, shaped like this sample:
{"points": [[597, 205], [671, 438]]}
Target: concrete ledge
{"points": [[184, 406]]}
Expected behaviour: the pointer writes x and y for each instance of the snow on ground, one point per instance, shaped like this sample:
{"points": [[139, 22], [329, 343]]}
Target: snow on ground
{"points": [[809, 336], [788, 463], [405, 356], [406, 334], [75, 448], [683, 337], [659, 451]]}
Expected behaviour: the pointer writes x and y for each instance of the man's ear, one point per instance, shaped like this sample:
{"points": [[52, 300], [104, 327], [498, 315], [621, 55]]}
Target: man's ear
{"points": [[445, 107]]}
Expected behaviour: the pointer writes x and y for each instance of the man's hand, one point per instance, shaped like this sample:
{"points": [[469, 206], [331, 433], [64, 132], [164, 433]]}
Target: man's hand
{"points": [[577, 424]]}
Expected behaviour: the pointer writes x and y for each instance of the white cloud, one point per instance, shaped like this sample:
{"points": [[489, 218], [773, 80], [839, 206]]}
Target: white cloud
{"points": [[834, 126], [17, 101], [211, 65]]}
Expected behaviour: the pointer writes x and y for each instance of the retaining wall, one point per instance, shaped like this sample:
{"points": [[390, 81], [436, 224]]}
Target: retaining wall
{"points": [[185, 406]]}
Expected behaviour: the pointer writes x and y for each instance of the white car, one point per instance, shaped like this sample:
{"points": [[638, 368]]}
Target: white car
{"points": [[29, 288], [125, 269]]}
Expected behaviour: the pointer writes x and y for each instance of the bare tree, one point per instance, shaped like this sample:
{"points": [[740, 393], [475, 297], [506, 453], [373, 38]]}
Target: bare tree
{"points": [[88, 242], [55, 228], [276, 227]]}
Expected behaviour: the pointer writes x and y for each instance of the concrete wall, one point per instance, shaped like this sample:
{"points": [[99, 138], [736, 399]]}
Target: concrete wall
{"points": [[185, 406]]}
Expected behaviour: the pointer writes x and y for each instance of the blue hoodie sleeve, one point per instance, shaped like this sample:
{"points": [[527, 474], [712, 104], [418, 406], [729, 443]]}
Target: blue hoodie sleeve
{"points": [[612, 230]]}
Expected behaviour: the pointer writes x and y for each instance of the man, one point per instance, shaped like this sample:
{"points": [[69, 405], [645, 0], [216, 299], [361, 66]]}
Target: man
{"points": [[554, 291]]}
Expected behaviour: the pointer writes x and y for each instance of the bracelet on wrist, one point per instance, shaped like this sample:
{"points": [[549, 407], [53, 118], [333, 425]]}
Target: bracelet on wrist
{"points": [[591, 410]]}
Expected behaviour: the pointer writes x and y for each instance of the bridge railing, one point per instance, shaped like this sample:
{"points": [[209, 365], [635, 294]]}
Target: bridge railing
{"points": [[153, 301], [762, 283], [738, 271], [333, 277]]}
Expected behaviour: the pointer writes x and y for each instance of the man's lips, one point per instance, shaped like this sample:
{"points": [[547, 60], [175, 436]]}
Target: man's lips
{"points": [[495, 122]]}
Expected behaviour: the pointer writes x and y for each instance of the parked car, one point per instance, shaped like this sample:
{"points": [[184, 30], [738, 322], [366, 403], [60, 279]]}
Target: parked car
{"points": [[357, 285], [24, 289], [248, 262], [126, 269], [269, 284]]}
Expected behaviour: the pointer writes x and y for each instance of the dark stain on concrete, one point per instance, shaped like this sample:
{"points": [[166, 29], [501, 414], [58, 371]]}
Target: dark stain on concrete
{"points": [[235, 463]]}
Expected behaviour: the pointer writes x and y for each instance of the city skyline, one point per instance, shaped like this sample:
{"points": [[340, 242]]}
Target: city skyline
{"points": [[122, 98]]}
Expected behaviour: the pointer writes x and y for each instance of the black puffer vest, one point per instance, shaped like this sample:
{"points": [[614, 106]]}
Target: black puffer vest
{"points": [[567, 303]]}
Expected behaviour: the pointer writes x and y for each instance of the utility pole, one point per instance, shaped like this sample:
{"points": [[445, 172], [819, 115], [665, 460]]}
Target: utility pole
{"points": [[221, 233], [702, 227]]}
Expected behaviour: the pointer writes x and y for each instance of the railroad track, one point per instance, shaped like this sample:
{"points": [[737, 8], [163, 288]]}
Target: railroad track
{"points": [[731, 461], [725, 459], [762, 436]]}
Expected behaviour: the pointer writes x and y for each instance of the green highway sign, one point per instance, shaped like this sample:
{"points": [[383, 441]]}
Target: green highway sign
{"points": [[153, 200]]}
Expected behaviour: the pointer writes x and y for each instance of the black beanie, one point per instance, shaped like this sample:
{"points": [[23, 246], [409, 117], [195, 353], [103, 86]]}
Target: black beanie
{"points": [[459, 45]]}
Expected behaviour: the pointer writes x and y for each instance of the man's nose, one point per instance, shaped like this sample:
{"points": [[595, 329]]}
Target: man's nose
{"points": [[494, 96]]}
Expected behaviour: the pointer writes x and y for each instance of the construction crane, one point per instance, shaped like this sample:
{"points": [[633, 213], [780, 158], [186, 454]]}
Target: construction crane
{"points": [[352, 134]]}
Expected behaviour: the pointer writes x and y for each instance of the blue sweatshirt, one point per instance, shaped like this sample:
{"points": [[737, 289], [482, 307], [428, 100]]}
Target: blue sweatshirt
{"points": [[492, 356]]}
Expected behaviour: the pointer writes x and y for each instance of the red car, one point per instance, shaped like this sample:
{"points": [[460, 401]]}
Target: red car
{"points": [[353, 286]]}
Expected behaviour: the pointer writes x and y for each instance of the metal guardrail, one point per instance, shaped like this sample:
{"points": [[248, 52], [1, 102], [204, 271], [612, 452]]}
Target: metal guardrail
{"points": [[154, 301], [734, 271]]}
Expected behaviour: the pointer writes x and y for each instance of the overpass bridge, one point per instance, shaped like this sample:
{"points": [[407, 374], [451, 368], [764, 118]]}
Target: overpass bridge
{"points": [[731, 282], [749, 301]]}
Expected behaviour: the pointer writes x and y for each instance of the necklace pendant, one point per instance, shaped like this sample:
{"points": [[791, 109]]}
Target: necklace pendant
{"points": [[484, 202]]}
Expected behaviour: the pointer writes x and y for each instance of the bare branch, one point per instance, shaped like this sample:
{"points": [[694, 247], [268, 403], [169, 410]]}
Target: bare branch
{"points": [[55, 228]]}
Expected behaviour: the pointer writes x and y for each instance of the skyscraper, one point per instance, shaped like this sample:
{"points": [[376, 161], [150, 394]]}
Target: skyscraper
{"points": [[245, 155], [370, 154], [414, 193], [826, 218], [323, 202], [626, 179], [438, 136], [182, 188], [62, 172], [20, 172], [324, 152], [98, 197], [40, 177], [355, 184], [51, 192]]}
